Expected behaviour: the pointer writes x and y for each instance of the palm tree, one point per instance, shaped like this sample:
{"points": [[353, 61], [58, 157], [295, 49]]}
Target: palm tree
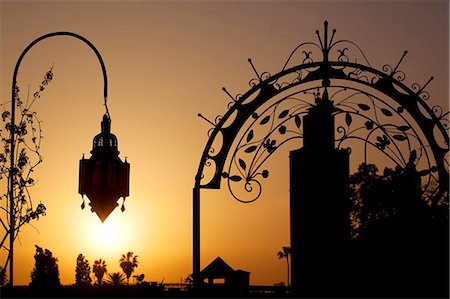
{"points": [[116, 278], [99, 269], [285, 254], [128, 262]]}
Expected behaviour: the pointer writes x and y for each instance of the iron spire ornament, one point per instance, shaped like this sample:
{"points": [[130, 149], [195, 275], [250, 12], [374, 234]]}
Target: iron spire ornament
{"points": [[104, 177]]}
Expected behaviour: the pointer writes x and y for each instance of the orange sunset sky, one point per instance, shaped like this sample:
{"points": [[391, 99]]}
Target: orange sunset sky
{"points": [[166, 62]]}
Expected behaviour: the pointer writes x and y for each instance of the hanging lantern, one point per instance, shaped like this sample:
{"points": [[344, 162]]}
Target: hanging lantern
{"points": [[104, 178]]}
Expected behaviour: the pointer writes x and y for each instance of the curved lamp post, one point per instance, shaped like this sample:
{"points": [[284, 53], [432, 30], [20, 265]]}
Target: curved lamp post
{"points": [[103, 178]]}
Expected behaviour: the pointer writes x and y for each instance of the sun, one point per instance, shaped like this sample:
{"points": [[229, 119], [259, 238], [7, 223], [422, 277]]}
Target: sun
{"points": [[107, 240], [108, 233]]}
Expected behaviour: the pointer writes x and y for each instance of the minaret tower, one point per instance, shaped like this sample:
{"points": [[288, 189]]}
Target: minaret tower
{"points": [[318, 203]]}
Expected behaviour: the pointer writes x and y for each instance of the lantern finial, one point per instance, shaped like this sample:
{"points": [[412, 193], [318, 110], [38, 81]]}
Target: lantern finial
{"points": [[106, 124]]}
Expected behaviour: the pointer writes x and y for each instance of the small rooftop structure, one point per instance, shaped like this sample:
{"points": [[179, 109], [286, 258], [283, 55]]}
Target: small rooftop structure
{"points": [[219, 275]]}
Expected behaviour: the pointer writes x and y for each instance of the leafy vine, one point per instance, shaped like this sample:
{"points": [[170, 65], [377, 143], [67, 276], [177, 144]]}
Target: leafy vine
{"points": [[28, 138]]}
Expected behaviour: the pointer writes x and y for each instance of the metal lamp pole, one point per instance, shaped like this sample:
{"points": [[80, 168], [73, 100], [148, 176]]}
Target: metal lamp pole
{"points": [[12, 133]]}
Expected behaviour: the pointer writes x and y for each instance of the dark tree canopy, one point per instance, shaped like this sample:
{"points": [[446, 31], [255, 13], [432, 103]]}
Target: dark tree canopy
{"points": [[392, 205], [400, 240], [45, 274], [82, 272]]}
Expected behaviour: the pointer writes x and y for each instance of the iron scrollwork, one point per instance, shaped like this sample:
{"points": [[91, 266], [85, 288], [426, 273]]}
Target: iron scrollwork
{"points": [[374, 107]]}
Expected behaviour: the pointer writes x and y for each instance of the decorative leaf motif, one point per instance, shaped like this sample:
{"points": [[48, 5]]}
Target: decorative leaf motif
{"points": [[250, 136], [399, 137], [404, 128], [250, 149], [364, 107], [283, 113], [424, 172], [386, 112], [348, 119], [235, 178], [242, 164], [265, 120], [298, 121]]}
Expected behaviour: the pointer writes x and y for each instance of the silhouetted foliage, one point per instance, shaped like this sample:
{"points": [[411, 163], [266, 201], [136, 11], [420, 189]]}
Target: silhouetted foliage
{"points": [[45, 274], [402, 239], [116, 278], [371, 197], [27, 128], [99, 269], [285, 254], [2, 276], [384, 204], [128, 262], [82, 272]]}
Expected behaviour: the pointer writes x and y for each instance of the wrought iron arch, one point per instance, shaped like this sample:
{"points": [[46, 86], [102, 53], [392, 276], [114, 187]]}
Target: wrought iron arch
{"points": [[375, 107]]}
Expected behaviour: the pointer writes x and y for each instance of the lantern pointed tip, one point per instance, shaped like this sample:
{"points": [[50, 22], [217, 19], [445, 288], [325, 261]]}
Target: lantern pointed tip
{"points": [[102, 217], [103, 211]]}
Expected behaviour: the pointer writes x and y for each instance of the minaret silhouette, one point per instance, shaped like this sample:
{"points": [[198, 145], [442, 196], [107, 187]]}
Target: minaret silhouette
{"points": [[319, 211]]}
